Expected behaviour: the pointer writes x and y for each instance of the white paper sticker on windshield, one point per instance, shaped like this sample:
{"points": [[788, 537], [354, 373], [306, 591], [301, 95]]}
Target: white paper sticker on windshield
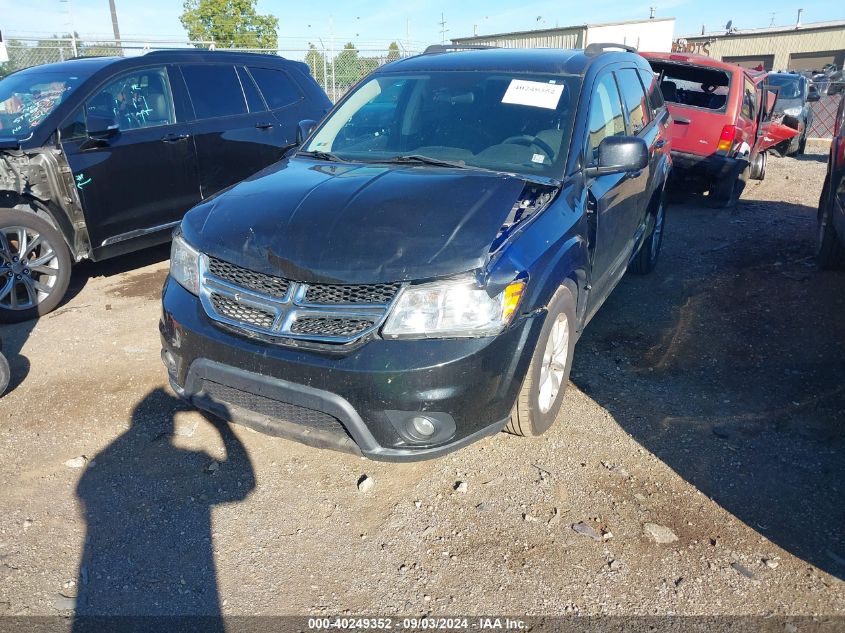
{"points": [[533, 93], [538, 158]]}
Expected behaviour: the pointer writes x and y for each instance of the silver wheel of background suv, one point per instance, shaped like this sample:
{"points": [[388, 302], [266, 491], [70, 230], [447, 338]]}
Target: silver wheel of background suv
{"points": [[34, 266]]}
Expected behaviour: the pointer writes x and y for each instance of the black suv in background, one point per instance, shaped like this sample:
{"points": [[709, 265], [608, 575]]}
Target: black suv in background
{"points": [[416, 276], [101, 156]]}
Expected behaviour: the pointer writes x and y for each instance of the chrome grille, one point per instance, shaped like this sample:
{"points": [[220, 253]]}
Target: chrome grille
{"points": [[243, 313], [287, 309], [330, 326], [266, 284], [333, 293]]}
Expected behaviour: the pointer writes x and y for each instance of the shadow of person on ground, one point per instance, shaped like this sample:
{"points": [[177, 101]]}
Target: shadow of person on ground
{"points": [[147, 505], [727, 364]]}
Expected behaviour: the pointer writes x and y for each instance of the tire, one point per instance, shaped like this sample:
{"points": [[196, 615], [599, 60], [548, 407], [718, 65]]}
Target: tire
{"points": [[530, 416], [5, 374], [802, 144], [830, 252], [725, 192], [26, 292], [646, 258]]}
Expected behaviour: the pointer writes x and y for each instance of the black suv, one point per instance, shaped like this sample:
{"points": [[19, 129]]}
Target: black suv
{"points": [[102, 156], [415, 277]]}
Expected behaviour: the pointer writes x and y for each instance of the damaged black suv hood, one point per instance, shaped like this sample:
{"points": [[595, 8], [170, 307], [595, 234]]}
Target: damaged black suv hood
{"points": [[317, 221]]}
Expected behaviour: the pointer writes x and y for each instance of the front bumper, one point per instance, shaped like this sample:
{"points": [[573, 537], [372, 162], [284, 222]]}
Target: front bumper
{"points": [[358, 399]]}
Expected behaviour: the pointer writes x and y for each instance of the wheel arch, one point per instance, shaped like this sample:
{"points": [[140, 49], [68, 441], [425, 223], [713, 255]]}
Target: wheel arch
{"points": [[46, 210]]}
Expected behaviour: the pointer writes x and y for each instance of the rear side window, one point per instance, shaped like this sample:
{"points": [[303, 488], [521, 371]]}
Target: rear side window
{"points": [[278, 88], [694, 86], [636, 104], [215, 90], [253, 99], [605, 115]]}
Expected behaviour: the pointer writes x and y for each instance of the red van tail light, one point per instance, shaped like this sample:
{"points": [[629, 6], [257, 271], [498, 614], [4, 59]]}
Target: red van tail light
{"points": [[727, 138]]}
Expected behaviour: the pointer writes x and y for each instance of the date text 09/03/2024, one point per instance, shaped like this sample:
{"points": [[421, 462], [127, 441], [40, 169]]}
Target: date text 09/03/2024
{"points": [[458, 623]]}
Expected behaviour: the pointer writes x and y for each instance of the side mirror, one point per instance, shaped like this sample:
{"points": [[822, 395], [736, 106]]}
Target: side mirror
{"points": [[304, 129], [620, 154], [102, 126], [813, 95]]}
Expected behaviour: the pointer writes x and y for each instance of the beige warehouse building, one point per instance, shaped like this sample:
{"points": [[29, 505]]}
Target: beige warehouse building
{"points": [[647, 35], [799, 47]]}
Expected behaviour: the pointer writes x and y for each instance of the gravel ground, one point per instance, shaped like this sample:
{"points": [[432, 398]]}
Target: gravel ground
{"points": [[696, 468]]}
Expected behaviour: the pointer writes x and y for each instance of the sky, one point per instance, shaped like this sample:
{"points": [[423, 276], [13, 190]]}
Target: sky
{"points": [[373, 22]]}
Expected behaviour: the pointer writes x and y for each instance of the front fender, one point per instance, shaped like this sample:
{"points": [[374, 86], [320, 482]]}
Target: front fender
{"points": [[549, 251]]}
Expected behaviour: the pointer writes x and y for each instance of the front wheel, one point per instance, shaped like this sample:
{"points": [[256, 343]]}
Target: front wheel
{"points": [[34, 266], [646, 258], [541, 394]]}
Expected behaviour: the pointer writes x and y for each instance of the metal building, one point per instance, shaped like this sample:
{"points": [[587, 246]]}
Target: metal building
{"points": [[647, 35], [798, 47]]}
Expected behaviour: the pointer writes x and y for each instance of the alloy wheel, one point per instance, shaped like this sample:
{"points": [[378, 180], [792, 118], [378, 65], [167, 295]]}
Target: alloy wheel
{"points": [[554, 363], [29, 268]]}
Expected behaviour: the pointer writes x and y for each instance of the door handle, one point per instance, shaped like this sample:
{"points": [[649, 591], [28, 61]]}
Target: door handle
{"points": [[265, 125], [175, 138]]}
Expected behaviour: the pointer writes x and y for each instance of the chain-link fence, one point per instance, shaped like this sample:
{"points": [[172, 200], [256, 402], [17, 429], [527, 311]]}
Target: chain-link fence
{"points": [[825, 109], [335, 67]]}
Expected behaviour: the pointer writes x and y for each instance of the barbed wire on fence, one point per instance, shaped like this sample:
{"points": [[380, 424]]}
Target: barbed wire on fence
{"points": [[336, 67]]}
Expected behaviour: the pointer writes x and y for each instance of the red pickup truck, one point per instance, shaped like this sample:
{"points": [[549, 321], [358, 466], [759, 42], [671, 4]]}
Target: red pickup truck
{"points": [[721, 123]]}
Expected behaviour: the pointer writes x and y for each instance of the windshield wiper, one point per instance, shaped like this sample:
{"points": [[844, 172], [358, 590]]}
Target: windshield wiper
{"points": [[322, 156], [425, 160]]}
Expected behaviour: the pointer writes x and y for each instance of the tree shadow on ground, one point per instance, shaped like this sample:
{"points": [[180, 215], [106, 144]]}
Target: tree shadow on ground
{"points": [[727, 363], [147, 504]]}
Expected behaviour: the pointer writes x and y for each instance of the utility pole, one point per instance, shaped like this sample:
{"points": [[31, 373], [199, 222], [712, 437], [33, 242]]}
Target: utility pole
{"points": [[114, 27], [72, 31], [443, 29]]}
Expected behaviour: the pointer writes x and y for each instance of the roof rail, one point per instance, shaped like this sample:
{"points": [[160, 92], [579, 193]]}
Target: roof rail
{"points": [[600, 47], [445, 48], [193, 51]]}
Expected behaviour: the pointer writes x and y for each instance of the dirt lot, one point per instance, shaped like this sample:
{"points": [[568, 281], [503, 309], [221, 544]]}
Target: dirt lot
{"points": [[707, 399]]}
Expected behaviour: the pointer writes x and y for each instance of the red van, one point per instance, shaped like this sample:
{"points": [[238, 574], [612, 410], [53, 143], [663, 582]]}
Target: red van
{"points": [[717, 137]]}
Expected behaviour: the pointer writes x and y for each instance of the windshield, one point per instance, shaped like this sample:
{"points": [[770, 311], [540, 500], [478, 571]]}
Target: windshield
{"points": [[507, 122], [28, 97], [789, 86]]}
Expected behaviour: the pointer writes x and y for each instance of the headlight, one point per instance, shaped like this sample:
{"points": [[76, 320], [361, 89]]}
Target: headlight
{"points": [[452, 308], [796, 111], [184, 264]]}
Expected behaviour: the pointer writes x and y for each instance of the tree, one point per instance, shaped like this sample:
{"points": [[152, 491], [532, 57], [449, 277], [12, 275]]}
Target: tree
{"points": [[393, 52], [347, 69], [229, 24], [317, 64]]}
